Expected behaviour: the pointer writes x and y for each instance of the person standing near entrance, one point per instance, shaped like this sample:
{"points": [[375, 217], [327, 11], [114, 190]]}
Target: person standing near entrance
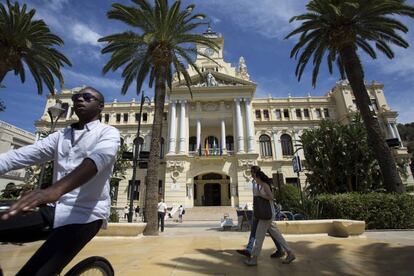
{"points": [[254, 170], [162, 210], [181, 212], [126, 212]]}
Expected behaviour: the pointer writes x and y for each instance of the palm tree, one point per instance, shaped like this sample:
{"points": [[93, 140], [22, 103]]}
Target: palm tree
{"points": [[337, 29], [160, 45], [27, 41]]}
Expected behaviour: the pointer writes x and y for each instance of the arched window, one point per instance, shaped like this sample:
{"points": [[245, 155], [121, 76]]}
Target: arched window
{"points": [[265, 145], [192, 143], [162, 148], [229, 143], [287, 147]]}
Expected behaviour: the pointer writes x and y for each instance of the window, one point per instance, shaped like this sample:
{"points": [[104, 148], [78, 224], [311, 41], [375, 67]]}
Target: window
{"points": [[106, 118], [286, 113], [292, 181], [192, 143], [213, 145], [258, 114], [298, 113], [165, 115], [318, 113], [278, 114], [136, 117], [65, 106], [118, 117], [160, 189], [229, 143], [138, 143], [265, 145], [326, 112], [122, 142], [162, 148], [287, 147], [144, 117], [306, 113], [266, 114], [125, 117], [134, 188]]}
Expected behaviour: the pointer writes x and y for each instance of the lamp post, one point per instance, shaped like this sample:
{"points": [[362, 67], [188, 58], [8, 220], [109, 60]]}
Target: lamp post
{"points": [[137, 149], [54, 112]]}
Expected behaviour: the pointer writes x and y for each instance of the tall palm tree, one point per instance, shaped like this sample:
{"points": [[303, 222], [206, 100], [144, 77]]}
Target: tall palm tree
{"points": [[24, 40], [160, 44], [337, 29]]}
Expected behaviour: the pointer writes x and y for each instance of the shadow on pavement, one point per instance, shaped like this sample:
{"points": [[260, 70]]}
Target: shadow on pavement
{"points": [[331, 258]]}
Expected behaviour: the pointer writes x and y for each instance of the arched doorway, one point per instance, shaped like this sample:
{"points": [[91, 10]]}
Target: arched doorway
{"points": [[212, 189], [212, 194]]}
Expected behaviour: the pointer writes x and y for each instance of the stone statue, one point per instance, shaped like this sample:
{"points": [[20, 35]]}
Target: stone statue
{"points": [[211, 80], [242, 70]]}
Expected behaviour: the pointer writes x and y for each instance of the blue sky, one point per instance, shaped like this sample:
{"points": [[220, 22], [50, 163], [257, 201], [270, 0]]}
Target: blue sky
{"points": [[253, 29]]}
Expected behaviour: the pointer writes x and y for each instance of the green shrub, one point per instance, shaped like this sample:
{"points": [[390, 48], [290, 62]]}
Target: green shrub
{"points": [[409, 189], [113, 216], [288, 197], [378, 210]]}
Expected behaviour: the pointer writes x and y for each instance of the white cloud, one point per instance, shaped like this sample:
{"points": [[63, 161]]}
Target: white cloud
{"points": [[267, 17], [55, 5], [78, 79], [82, 34]]}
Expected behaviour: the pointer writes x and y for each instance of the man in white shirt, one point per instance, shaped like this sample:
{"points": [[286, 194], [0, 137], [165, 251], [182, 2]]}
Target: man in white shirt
{"points": [[83, 156], [162, 210]]}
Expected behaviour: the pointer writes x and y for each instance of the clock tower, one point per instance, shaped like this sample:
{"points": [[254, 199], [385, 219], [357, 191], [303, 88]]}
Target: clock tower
{"points": [[217, 37]]}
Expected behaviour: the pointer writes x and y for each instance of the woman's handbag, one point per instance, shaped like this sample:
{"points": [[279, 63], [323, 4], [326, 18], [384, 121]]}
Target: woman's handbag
{"points": [[261, 208]]}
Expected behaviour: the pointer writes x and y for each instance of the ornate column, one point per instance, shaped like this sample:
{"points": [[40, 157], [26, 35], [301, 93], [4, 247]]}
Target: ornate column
{"points": [[172, 127], [278, 145], [249, 126], [239, 127], [223, 136], [181, 148], [198, 145]]}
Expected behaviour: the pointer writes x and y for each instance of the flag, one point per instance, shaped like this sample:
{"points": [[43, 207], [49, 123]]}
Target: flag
{"points": [[206, 147]]}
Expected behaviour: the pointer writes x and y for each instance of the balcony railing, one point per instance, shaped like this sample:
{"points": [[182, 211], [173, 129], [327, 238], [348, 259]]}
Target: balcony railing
{"points": [[211, 152]]}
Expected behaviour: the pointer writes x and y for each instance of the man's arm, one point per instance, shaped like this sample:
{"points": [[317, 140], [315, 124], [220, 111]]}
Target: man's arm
{"points": [[82, 174], [40, 152]]}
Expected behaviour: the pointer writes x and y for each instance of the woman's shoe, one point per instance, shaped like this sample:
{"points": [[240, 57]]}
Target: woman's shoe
{"points": [[244, 252], [289, 258], [251, 261], [277, 254]]}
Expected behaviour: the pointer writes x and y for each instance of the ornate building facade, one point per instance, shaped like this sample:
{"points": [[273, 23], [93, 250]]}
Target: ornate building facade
{"points": [[212, 137]]}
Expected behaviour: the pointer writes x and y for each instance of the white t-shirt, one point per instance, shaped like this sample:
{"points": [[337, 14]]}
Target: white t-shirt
{"points": [[162, 206], [180, 211]]}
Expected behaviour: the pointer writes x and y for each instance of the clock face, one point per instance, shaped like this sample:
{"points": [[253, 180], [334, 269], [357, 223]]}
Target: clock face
{"points": [[208, 51]]}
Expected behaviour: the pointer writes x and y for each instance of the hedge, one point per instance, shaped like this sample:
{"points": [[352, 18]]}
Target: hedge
{"points": [[378, 210]]}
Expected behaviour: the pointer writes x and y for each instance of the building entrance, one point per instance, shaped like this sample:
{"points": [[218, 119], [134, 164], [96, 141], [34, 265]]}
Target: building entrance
{"points": [[212, 189], [212, 194]]}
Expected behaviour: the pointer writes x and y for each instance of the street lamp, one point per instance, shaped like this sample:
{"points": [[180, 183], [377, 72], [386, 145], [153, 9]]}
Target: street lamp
{"points": [[54, 112], [137, 149]]}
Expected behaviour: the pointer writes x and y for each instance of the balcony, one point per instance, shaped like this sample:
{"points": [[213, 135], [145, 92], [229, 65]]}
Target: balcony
{"points": [[210, 153]]}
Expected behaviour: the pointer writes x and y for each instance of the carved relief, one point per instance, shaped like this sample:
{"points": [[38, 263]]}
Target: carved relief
{"points": [[210, 107], [175, 168]]}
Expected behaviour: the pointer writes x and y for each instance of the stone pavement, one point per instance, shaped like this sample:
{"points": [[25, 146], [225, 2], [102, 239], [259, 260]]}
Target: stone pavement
{"points": [[200, 248]]}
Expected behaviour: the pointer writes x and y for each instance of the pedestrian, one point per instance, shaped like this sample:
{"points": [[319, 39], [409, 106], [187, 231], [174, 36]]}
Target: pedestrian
{"points": [[137, 211], [263, 226], [83, 156], [126, 212], [248, 250], [162, 211], [181, 212]]}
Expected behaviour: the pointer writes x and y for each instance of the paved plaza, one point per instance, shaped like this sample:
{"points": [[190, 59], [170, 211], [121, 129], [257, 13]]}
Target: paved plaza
{"points": [[200, 248]]}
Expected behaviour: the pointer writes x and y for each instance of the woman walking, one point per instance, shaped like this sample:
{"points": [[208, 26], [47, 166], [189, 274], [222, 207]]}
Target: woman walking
{"points": [[266, 225]]}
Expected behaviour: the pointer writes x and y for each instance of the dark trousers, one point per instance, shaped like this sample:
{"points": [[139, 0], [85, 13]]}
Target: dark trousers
{"points": [[252, 236], [161, 216], [61, 246]]}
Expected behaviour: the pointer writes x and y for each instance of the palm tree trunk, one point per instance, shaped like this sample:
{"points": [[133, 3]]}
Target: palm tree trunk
{"points": [[376, 140], [151, 200]]}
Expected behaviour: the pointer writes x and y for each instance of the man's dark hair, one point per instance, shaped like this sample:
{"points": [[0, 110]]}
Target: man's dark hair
{"points": [[100, 95]]}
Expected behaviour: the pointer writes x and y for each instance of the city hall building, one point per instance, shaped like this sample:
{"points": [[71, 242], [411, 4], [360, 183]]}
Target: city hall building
{"points": [[212, 138]]}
